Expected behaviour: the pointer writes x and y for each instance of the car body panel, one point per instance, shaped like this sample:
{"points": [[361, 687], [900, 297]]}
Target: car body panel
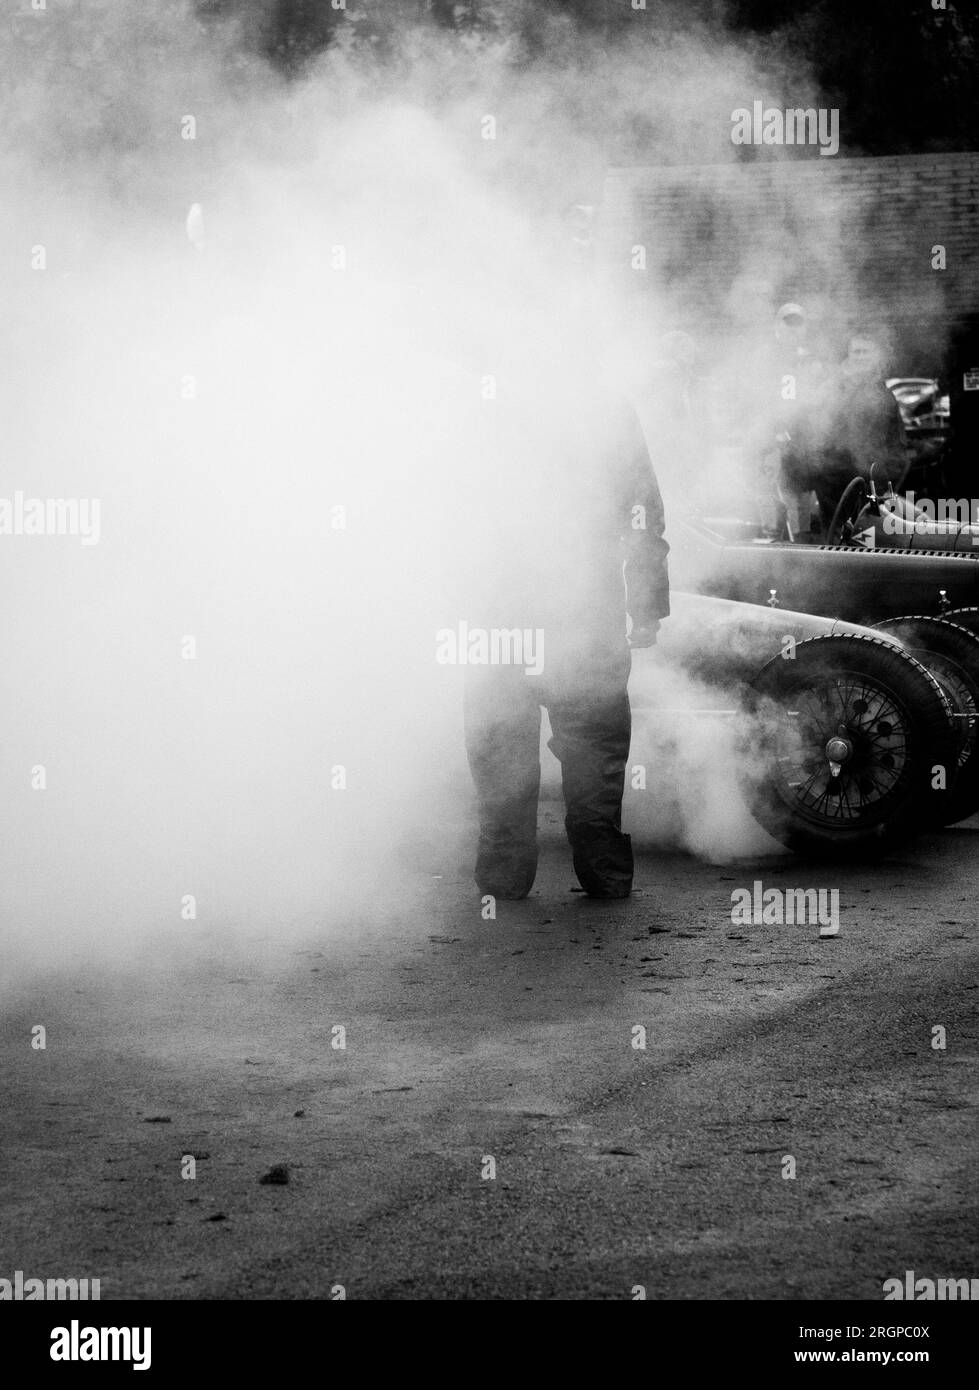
{"points": [[722, 643], [847, 582]]}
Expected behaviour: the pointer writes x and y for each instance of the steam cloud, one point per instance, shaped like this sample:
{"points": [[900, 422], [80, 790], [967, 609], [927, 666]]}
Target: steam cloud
{"points": [[276, 406]]}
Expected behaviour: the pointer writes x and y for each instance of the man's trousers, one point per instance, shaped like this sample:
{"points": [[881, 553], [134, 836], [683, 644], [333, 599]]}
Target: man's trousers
{"points": [[591, 730]]}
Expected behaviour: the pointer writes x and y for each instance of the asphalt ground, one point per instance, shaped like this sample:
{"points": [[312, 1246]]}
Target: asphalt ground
{"points": [[487, 1124]]}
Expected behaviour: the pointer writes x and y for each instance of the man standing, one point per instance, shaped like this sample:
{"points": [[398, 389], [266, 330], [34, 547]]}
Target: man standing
{"points": [[781, 437], [861, 427], [577, 532]]}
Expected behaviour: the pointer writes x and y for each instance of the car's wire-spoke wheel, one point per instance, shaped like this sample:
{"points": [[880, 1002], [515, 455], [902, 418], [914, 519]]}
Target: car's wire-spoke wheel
{"points": [[846, 734], [951, 653], [845, 749]]}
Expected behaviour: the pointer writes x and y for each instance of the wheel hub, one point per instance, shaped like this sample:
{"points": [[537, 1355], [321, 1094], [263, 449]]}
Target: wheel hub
{"points": [[839, 750]]}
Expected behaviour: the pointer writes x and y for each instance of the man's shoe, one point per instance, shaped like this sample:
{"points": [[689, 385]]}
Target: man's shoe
{"points": [[505, 894], [603, 863], [611, 890], [508, 874]]}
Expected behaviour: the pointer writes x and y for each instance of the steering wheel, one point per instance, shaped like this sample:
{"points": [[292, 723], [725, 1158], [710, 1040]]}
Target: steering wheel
{"points": [[855, 497]]}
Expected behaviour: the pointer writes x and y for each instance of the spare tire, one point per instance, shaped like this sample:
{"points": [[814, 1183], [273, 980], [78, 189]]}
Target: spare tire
{"points": [[846, 733], [951, 655]]}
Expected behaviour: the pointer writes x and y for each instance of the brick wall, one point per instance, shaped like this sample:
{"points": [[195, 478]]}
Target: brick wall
{"points": [[853, 231]]}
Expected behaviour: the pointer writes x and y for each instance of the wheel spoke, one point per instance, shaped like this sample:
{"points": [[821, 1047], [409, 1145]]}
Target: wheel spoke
{"points": [[873, 728]]}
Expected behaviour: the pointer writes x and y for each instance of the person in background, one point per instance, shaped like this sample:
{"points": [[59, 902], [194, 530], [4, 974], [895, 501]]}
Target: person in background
{"points": [[782, 437], [676, 400], [860, 427]]}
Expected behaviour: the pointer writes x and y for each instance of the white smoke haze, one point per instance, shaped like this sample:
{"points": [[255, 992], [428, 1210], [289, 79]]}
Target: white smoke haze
{"points": [[309, 388]]}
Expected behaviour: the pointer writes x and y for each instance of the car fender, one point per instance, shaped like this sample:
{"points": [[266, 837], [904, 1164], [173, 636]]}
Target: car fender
{"points": [[720, 643]]}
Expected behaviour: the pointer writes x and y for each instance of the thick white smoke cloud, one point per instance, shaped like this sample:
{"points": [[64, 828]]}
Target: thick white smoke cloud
{"points": [[277, 423]]}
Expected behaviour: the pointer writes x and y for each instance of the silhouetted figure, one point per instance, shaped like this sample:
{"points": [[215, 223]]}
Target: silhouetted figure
{"points": [[782, 437], [860, 427], [570, 523]]}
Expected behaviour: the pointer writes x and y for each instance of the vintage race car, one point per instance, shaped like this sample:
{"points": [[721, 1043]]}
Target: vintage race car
{"points": [[726, 557], [926, 598], [845, 743]]}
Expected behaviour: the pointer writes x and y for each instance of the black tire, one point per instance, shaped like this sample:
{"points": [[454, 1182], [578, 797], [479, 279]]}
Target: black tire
{"points": [[963, 617], [951, 654], [886, 718]]}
